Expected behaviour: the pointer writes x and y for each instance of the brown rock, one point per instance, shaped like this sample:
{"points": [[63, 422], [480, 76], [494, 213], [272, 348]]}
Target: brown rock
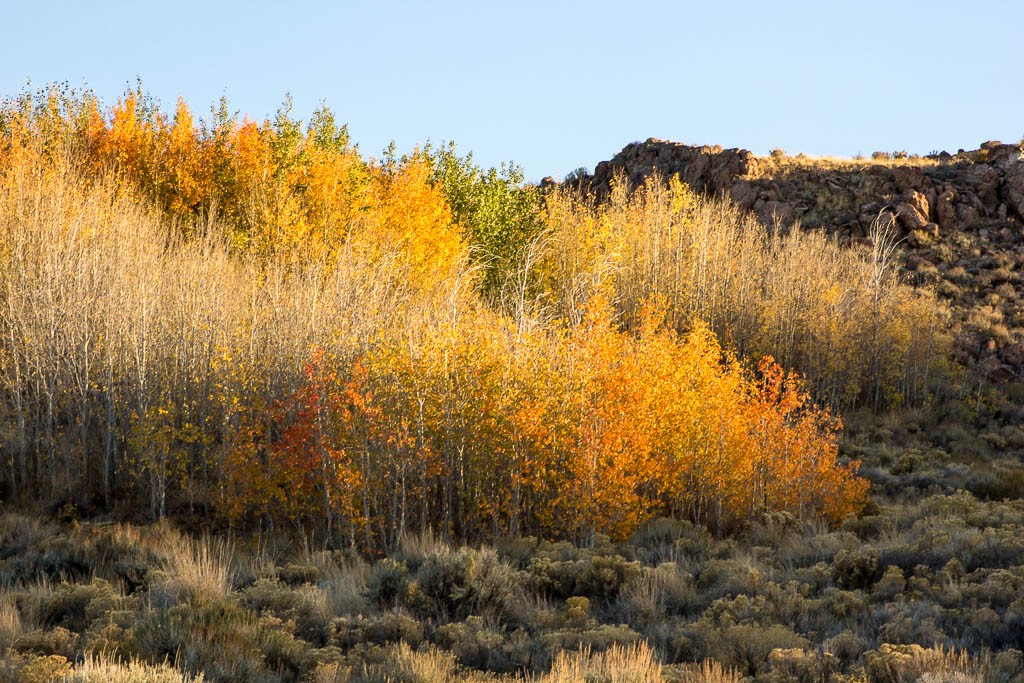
{"points": [[1013, 355], [743, 194], [919, 202], [967, 215], [1000, 374], [984, 182], [772, 211], [1013, 187], [945, 211], [910, 178], [912, 213], [918, 262], [693, 175]]}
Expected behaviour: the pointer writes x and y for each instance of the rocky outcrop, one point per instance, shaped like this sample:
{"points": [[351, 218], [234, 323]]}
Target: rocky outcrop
{"points": [[964, 191], [706, 169], [961, 218]]}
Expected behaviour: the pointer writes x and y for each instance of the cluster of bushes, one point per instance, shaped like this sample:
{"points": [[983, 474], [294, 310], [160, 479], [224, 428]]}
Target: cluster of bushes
{"points": [[931, 585]]}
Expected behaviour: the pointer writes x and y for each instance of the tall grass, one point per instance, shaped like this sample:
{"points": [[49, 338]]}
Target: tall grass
{"points": [[11, 626], [710, 671], [102, 669], [198, 570], [617, 664]]}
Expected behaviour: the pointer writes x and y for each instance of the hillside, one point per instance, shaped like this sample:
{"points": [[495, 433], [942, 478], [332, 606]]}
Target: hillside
{"points": [[274, 410], [959, 218]]}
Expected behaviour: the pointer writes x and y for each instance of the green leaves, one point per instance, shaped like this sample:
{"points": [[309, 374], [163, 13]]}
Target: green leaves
{"points": [[499, 213]]}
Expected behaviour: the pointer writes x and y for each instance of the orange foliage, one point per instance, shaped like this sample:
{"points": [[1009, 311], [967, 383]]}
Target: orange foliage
{"points": [[490, 432], [459, 417]]}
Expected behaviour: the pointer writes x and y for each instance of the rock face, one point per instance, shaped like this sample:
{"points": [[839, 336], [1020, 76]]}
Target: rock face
{"points": [[706, 169], [954, 192], [961, 218]]}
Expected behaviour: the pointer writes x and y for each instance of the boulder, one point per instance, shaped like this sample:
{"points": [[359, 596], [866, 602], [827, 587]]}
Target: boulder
{"points": [[1013, 187], [945, 209], [1013, 355], [917, 262], [912, 212], [910, 178], [984, 183], [771, 212], [743, 194]]}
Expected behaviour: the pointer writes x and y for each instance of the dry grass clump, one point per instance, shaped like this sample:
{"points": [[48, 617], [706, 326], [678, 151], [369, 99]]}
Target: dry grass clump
{"points": [[345, 583], [103, 669], [405, 665], [195, 570], [708, 671], [658, 591], [331, 672], [11, 626], [414, 548], [617, 664]]}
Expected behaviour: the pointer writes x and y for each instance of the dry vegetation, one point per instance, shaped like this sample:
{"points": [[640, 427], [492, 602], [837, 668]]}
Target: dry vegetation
{"points": [[841, 315], [925, 587], [431, 425], [778, 162]]}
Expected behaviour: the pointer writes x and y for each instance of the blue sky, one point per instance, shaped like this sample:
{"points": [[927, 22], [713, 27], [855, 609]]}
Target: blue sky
{"points": [[557, 85]]}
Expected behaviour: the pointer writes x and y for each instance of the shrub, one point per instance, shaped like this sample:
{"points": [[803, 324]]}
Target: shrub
{"points": [[455, 585], [907, 623], [720, 578], [55, 641], [297, 574], [76, 606], [913, 663], [748, 648], [388, 582], [857, 569], [477, 645], [598, 638], [846, 646], [890, 585], [794, 665], [391, 627], [595, 576], [577, 613], [44, 669], [221, 640], [305, 606]]}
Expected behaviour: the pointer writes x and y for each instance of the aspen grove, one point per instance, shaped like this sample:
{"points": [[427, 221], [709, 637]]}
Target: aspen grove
{"points": [[256, 323]]}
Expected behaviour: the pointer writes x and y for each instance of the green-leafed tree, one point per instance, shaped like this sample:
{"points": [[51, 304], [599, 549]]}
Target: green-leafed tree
{"points": [[497, 210]]}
